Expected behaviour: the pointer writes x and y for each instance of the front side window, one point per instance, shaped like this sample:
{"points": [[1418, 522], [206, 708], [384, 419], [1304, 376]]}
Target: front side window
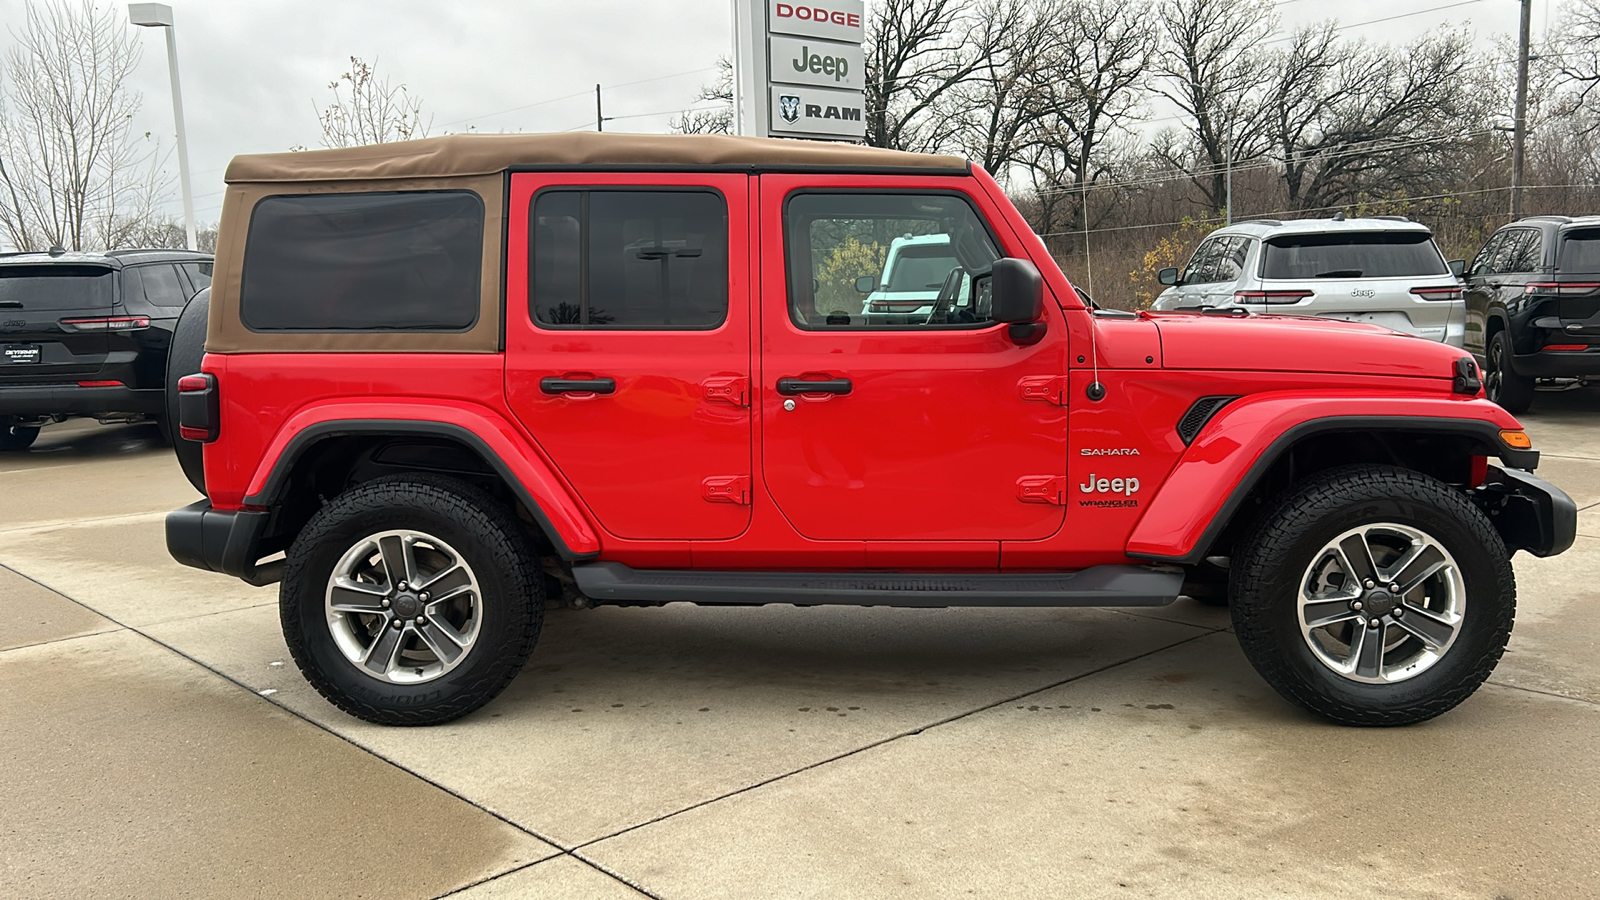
{"points": [[364, 262], [629, 259], [1484, 262], [886, 261], [1352, 254]]}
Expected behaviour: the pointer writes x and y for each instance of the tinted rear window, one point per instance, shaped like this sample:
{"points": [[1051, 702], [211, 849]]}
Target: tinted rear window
{"points": [[1371, 254], [56, 287], [364, 262], [922, 268], [1580, 251]]}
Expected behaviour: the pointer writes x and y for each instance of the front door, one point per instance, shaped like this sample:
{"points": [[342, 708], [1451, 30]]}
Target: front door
{"points": [[628, 345], [922, 423]]}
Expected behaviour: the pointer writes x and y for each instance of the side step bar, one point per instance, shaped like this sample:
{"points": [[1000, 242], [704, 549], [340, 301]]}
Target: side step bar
{"points": [[607, 582]]}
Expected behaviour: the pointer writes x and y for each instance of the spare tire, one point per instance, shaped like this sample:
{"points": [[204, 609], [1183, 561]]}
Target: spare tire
{"points": [[184, 357]]}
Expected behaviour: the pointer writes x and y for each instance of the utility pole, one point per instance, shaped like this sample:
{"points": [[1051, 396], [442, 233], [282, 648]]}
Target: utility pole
{"points": [[600, 119], [1519, 131]]}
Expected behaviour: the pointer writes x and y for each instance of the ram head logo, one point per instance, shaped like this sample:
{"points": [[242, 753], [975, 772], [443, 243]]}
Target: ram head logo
{"points": [[789, 108]]}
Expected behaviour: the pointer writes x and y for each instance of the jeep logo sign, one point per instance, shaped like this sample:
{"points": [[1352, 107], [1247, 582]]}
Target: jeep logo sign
{"points": [[805, 61], [817, 111]]}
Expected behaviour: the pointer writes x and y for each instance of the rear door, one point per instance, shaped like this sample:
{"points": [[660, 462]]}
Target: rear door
{"points": [[939, 429], [628, 345], [1578, 273], [41, 337]]}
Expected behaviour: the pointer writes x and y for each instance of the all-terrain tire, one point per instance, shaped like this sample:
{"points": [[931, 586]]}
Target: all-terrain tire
{"points": [[1513, 392], [183, 358], [488, 539], [15, 438], [1270, 563]]}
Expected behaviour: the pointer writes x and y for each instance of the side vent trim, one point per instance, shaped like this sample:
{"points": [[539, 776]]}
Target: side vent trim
{"points": [[1198, 415]]}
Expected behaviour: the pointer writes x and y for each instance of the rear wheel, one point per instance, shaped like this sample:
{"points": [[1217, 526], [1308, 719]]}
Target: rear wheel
{"points": [[17, 437], [1374, 595], [411, 600], [1501, 383]]}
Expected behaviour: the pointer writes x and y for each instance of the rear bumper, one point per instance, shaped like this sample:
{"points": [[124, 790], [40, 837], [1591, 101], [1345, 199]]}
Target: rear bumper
{"points": [[1557, 364], [70, 399], [1530, 513], [219, 540]]}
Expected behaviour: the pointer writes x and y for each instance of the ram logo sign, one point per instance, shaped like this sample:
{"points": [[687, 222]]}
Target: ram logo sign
{"points": [[817, 112], [789, 108]]}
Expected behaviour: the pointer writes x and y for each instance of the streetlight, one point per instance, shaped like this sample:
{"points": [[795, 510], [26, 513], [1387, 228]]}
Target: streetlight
{"points": [[159, 15]]}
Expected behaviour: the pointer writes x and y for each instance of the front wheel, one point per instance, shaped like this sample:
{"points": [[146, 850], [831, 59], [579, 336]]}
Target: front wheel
{"points": [[411, 600], [1374, 595]]}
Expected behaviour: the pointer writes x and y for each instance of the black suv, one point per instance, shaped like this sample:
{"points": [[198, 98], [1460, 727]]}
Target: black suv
{"points": [[1533, 306], [87, 334]]}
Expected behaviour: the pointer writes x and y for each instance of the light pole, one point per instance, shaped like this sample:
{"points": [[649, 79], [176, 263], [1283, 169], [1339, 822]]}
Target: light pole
{"points": [[159, 15]]}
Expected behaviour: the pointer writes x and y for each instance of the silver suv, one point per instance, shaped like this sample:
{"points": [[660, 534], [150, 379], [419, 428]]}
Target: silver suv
{"points": [[1384, 270]]}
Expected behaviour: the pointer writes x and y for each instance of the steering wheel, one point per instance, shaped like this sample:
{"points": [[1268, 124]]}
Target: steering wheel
{"points": [[948, 291]]}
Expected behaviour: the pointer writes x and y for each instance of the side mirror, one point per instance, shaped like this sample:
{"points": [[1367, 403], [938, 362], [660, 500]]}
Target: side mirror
{"points": [[1168, 276], [1018, 292], [1458, 267], [1017, 299], [866, 284]]}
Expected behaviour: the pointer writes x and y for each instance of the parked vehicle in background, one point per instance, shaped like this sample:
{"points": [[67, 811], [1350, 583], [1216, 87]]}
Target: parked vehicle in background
{"points": [[922, 282], [1383, 271], [1533, 306], [640, 391], [86, 335]]}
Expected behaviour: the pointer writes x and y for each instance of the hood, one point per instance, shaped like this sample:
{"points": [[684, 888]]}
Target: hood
{"points": [[1298, 344]]}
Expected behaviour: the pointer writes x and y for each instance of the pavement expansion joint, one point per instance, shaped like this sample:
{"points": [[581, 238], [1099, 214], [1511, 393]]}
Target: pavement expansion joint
{"points": [[892, 738], [68, 639], [1529, 690]]}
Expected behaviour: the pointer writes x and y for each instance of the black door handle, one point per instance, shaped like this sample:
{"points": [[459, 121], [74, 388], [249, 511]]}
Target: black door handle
{"points": [[790, 387], [578, 385]]}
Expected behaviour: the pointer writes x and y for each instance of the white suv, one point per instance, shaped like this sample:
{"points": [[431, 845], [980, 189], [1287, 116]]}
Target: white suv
{"points": [[916, 271], [1384, 270]]}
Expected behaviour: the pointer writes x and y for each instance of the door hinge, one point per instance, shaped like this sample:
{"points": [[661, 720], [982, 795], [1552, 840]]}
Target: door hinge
{"points": [[1044, 388], [1051, 489], [735, 390], [733, 489]]}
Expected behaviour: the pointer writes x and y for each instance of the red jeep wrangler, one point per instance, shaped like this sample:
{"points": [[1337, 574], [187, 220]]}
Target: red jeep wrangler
{"points": [[446, 378]]}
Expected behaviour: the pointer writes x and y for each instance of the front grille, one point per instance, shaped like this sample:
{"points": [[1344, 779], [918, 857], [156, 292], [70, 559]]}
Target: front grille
{"points": [[1198, 415]]}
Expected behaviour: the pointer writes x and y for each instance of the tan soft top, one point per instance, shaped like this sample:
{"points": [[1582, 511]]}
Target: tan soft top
{"points": [[484, 154]]}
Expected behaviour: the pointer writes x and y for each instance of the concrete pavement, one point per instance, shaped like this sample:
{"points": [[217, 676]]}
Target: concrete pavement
{"points": [[160, 741]]}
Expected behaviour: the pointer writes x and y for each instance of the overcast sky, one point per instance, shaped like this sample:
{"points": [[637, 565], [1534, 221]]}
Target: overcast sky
{"points": [[252, 70]]}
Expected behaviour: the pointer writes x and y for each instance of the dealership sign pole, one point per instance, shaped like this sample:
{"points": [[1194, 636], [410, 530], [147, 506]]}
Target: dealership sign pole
{"points": [[799, 70]]}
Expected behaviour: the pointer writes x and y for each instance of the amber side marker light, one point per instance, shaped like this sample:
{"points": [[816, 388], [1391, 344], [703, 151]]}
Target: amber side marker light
{"points": [[1518, 439]]}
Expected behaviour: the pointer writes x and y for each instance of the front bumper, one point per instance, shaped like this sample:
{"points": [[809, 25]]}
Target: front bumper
{"points": [[221, 540], [1530, 513], [70, 399]]}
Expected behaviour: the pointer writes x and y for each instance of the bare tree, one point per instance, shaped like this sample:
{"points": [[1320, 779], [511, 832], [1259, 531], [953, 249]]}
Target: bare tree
{"points": [[367, 109], [1212, 67], [717, 119], [1086, 89], [917, 52], [1356, 119], [993, 112], [73, 173]]}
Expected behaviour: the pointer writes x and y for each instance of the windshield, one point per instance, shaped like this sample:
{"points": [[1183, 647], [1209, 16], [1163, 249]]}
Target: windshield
{"points": [[1580, 251], [1358, 254], [922, 268], [55, 287]]}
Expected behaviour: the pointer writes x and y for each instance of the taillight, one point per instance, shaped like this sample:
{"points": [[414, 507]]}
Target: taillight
{"points": [[1562, 290], [1437, 293], [100, 384], [107, 323], [1270, 296], [198, 408]]}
